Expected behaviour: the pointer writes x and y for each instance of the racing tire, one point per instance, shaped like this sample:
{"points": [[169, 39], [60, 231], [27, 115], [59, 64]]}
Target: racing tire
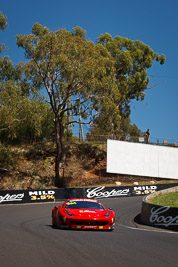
{"points": [[58, 221], [53, 224]]}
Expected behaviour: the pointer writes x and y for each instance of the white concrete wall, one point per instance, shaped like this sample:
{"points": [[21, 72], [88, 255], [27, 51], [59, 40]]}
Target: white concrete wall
{"points": [[142, 159]]}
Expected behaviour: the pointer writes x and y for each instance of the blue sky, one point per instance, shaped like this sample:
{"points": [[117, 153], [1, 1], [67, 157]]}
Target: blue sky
{"points": [[154, 22]]}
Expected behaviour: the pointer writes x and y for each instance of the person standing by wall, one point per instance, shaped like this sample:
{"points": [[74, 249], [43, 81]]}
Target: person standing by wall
{"points": [[148, 136]]}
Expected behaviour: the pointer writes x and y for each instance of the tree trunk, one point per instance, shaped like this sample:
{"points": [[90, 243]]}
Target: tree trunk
{"points": [[60, 151], [80, 128], [68, 119]]}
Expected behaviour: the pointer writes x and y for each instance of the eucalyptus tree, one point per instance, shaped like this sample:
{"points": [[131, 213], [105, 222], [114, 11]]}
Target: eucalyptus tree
{"points": [[74, 72], [131, 61], [3, 21], [22, 113], [7, 69], [21, 119], [7, 72]]}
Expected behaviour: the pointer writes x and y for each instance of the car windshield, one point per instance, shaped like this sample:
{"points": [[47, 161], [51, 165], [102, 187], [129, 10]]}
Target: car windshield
{"points": [[80, 204]]}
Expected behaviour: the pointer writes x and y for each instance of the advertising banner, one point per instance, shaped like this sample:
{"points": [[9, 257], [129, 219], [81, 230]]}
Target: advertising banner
{"points": [[159, 216], [124, 191], [26, 196], [50, 195]]}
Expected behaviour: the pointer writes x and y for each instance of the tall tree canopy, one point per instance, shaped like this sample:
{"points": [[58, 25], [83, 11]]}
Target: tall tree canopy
{"points": [[21, 119], [83, 79], [6, 66], [3, 21], [23, 116], [131, 61], [74, 73]]}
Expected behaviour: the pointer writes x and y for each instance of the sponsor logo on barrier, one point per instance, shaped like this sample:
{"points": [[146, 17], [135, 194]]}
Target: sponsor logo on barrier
{"points": [[159, 219], [99, 193], [42, 195], [144, 190], [10, 198]]}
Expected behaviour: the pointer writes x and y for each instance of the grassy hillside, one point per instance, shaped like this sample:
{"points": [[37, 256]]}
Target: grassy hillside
{"points": [[168, 199]]}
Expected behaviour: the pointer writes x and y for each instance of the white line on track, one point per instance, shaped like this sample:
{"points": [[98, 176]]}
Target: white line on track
{"points": [[147, 230]]}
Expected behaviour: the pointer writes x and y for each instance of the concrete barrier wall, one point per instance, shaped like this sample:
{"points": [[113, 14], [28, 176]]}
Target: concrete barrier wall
{"points": [[142, 159], [49, 195], [159, 216]]}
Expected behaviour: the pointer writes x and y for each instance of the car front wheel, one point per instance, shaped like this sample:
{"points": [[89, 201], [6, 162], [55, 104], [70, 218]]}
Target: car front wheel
{"points": [[53, 221], [58, 220]]}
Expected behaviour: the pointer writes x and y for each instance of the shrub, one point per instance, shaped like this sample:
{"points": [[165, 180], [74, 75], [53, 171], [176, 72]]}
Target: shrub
{"points": [[7, 157]]}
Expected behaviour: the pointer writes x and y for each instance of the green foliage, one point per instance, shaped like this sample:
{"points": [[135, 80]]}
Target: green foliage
{"points": [[3, 25], [22, 119], [131, 61], [78, 31], [68, 66], [3, 21], [72, 70], [125, 131], [104, 77], [7, 69], [82, 80], [7, 158]]}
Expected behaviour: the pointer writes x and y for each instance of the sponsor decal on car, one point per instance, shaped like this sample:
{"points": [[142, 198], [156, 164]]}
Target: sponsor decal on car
{"points": [[71, 203], [89, 211]]}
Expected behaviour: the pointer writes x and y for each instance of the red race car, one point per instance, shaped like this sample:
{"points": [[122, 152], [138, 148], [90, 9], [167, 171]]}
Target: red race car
{"points": [[83, 213]]}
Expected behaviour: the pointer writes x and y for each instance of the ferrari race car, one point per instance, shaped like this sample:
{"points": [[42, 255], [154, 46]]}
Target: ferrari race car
{"points": [[81, 213]]}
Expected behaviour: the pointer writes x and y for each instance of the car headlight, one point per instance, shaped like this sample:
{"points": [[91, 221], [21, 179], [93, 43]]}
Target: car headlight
{"points": [[113, 220]]}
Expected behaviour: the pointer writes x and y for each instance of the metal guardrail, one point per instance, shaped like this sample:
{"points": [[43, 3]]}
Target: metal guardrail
{"points": [[135, 139]]}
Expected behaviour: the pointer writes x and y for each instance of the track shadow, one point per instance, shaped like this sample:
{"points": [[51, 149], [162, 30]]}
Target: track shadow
{"points": [[137, 219]]}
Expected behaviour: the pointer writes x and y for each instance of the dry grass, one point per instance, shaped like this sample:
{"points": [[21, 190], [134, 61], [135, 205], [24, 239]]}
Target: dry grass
{"points": [[86, 166]]}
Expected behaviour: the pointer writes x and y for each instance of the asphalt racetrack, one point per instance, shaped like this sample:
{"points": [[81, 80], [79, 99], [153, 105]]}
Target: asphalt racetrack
{"points": [[28, 239]]}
